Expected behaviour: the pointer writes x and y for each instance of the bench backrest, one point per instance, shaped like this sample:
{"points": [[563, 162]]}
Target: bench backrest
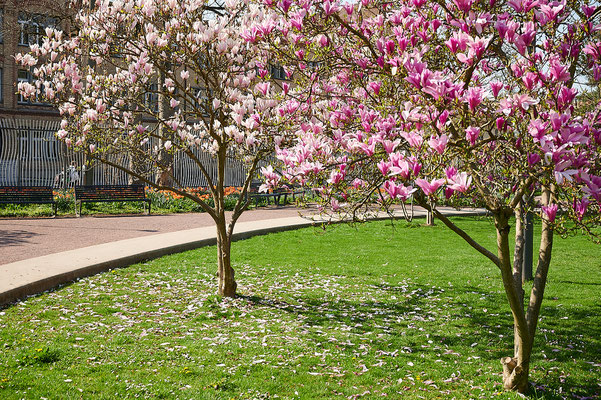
{"points": [[110, 192], [26, 194]]}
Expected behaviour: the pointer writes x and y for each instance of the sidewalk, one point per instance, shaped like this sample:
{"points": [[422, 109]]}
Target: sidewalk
{"points": [[23, 238], [90, 245]]}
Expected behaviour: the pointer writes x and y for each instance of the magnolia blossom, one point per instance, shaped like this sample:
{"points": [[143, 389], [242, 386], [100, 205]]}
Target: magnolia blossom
{"points": [[460, 182], [550, 211], [429, 188], [472, 134]]}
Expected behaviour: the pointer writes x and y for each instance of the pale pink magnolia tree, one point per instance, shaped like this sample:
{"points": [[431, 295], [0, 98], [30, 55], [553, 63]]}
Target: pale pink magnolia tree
{"points": [[448, 100], [152, 78]]}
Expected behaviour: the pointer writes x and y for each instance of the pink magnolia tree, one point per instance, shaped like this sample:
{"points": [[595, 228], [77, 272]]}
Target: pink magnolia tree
{"points": [[152, 78], [450, 100]]}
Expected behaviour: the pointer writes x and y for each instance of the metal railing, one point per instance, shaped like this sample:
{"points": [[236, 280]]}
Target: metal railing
{"points": [[30, 154]]}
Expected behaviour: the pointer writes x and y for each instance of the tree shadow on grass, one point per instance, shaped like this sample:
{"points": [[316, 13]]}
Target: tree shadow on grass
{"points": [[562, 343], [578, 283]]}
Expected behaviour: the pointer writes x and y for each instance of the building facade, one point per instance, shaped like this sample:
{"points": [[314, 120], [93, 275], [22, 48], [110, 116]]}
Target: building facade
{"points": [[29, 152]]}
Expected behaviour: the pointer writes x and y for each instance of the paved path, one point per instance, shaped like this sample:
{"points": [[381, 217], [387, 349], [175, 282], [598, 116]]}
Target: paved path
{"points": [[23, 238], [39, 254]]}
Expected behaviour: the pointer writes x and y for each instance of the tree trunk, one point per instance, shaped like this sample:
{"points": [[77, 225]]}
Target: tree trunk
{"points": [[429, 218], [517, 261], [542, 267], [515, 374], [225, 273], [516, 368]]}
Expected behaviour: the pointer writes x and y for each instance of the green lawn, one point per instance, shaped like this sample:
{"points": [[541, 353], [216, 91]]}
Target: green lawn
{"points": [[405, 311]]}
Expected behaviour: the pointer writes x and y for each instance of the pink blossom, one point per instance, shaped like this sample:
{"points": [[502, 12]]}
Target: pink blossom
{"points": [[400, 192], [91, 114], [384, 167], [501, 124], [533, 159], [471, 134], [414, 138], [334, 204], [323, 40], [580, 207], [390, 145], [439, 143], [524, 101], [336, 177], [559, 72], [450, 172], [474, 97], [550, 211], [461, 182], [463, 5], [593, 187], [263, 87], [375, 87], [496, 87], [548, 13], [429, 188], [357, 183]]}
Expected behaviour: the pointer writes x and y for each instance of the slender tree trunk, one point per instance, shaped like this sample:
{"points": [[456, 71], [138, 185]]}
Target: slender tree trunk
{"points": [[517, 260], [542, 268], [225, 272], [430, 213], [516, 368], [429, 218]]}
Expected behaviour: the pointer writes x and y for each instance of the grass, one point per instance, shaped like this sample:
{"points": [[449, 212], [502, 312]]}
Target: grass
{"points": [[402, 311]]}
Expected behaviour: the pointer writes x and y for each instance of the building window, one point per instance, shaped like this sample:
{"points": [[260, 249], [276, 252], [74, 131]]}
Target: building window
{"points": [[32, 28], [23, 76], [1, 85], [277, 72], [26, 76], [151, 98]]}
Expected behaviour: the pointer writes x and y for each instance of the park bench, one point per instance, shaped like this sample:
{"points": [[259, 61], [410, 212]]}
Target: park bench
{"points": [[27, 195], [275, 194], [109, 193]]}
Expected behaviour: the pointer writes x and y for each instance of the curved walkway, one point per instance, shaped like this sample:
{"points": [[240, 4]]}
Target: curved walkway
{"points": [[42, 253]]}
